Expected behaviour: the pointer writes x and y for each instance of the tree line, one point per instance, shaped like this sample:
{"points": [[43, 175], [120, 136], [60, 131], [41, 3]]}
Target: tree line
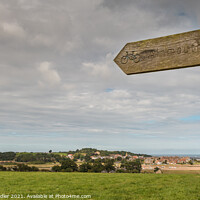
{"points": [[35, 158], [20, 168], [7, 156], [98, 165], [69, 165]]}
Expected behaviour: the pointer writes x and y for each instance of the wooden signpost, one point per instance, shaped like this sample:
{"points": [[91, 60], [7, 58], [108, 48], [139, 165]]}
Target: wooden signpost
{"points": [[164, 53]]}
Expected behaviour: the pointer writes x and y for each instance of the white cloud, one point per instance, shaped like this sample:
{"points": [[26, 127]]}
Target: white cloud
{"points": [[99, 69], [96, 69], [49, 75], [13, 29]]}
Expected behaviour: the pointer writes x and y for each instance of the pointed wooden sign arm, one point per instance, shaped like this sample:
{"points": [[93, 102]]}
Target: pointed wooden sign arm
{"points": [[164, 53]]}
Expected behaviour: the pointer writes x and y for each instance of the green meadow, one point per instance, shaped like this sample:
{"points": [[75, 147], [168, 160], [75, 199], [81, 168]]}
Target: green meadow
{"points": [[100, 186]]}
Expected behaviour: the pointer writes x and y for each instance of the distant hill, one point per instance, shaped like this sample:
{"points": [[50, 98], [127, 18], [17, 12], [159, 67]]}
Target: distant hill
{"points": [[93, 151]]}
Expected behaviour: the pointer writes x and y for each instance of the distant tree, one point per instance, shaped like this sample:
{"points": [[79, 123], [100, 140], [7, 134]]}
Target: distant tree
{"points": [[165, 162], [119, 159], [69, 164], [34, 169], [82, 157], [57, 157], [89, 151], [25, 168], [99, 160], [105, 153], [50, 151], [85, 167], [2, 168], [87, 158], [123, 161], [109, 165], [120, 171], [25, 157], [56, 168], [38, 157], [156, 169], [132, 166], [97, 167], [77, 156], [14, 168], [191, 162]]}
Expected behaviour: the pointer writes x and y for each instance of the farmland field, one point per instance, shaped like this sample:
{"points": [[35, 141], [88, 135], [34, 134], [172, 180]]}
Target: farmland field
{"points": [[101, 186]]}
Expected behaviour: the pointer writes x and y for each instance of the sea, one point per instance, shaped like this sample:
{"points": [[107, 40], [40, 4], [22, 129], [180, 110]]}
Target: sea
{"points": [[196, 156]]}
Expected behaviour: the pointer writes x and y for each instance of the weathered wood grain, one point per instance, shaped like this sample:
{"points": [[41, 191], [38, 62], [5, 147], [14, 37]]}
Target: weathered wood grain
{"points": [[164, 53]]}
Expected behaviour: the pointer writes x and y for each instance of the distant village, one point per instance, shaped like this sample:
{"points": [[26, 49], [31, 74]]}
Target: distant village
{"points": [[157, 160], [152, 163]]}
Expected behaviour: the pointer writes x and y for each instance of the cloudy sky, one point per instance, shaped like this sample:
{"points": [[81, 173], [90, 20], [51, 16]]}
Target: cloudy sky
{"points": [[61, 90]]}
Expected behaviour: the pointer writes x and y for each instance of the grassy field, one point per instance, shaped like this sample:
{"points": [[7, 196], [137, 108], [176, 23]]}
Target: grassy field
{"points": [[102, 186], [181, 172]]}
